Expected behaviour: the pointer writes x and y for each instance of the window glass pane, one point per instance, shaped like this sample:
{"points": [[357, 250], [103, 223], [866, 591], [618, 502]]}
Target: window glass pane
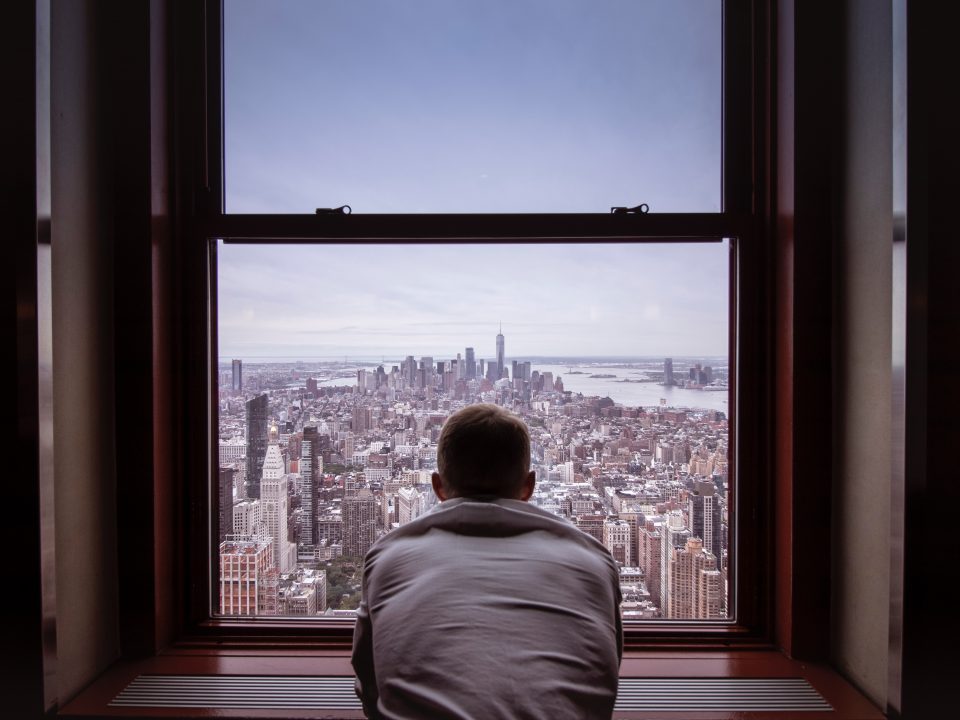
{"points": [[499, 106], [340, 363]]}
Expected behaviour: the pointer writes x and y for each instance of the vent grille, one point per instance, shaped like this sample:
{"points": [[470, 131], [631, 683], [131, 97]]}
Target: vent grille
{"points": [[719, 694], [240, 691], [336, 693]]}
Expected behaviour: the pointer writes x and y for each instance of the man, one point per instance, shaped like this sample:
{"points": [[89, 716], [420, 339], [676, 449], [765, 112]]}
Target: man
{"points": [[487, 607]]}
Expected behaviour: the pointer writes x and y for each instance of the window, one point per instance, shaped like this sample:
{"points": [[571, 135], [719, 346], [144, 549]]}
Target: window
{"points": [[340, 362], [534, 106], [707, 251]]}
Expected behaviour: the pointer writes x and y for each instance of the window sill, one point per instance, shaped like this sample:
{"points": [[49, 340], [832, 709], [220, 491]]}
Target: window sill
{"points": [[846, 701]]}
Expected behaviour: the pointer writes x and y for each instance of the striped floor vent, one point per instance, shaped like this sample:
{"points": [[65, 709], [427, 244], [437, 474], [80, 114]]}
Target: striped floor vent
{"points": [[336, 693], [313, 692], [719, 694]]}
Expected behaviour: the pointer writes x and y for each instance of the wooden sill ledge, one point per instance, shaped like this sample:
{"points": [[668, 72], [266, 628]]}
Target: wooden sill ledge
{"points": [[846, 701]]}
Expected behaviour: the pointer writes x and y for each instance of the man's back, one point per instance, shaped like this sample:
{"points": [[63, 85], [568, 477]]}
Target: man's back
{"points": [[488, 609]]}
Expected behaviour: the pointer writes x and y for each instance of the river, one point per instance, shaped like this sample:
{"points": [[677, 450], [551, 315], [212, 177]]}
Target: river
{"points": [[634, 394]]}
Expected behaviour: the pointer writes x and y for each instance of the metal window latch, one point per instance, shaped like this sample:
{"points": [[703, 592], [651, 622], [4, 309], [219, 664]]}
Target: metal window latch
{"points": [[342, 210], [641, 209]]}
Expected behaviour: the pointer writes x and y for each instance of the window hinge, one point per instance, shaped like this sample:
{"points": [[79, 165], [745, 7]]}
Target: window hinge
{"points": [[641, 209]]}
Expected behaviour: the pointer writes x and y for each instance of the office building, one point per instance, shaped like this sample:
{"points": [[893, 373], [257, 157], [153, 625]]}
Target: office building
{"points": [[311, 467], [409, 505], [674, 536], [225, 502], [330, 529], [695, 584], [247, 518], [274, 509], [426, 373], [616, 537], [236, 383], [471, 364], [304, 595], [257, 433], [248, 577], [650, 557], [705, 517], [359, 522], [591, 524]]}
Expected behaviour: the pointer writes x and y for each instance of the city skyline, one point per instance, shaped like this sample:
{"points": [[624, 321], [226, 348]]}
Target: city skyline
{"points": [[649, 480], [554, 300]]}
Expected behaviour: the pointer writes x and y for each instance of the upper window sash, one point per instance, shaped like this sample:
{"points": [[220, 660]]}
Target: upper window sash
{"points": [[738, 94], [483, 107]]}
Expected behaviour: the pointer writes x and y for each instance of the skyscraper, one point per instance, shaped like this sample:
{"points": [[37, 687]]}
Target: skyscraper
{"points": [[409, 505], [705, 523], [359, 522], [427, 372], [237, 383], [256, 442], [248, 577], [274, 507], [310, 461], [499, 354], [410, 371], [650, 557], [695, 584], [617, 538], [668, 371], [632, 515], [674, 536], [246, 518], [471, 364], [225, 509], [362, 419]]}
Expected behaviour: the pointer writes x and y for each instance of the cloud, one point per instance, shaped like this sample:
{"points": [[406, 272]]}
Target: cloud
{"points": [[572, 299]]}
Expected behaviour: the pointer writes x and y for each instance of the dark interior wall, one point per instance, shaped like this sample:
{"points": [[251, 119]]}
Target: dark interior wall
{"points": [[862, 352], [82, 271], [85, 178], [931, 493], [30, 639]]}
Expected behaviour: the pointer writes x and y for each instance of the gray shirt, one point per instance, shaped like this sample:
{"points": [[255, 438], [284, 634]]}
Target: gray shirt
{"points": [[488, 609]]}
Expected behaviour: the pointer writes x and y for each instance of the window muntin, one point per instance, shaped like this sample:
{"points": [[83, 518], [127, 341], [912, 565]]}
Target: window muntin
{"points": [[642, 465], [534, 106]]}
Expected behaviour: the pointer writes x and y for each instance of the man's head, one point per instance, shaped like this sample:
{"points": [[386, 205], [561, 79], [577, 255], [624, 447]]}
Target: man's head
{"points": [[483, 450]]}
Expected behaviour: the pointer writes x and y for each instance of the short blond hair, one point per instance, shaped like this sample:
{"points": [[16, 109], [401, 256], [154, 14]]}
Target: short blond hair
{"points": [[483, 450]]}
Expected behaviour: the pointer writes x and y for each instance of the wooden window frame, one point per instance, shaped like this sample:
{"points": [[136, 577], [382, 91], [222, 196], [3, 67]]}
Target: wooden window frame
{"points": [[173, 512]]}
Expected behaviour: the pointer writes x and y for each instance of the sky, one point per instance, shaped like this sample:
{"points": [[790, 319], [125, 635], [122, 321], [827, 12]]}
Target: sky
{"points": [[472, 106], [552, 300], [399, 106]]}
